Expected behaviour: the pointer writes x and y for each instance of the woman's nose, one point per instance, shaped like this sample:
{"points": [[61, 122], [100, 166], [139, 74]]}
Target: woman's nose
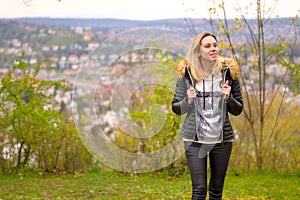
{"points": [[214, 49]]}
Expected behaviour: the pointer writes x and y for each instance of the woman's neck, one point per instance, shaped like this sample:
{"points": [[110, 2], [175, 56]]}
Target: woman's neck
{"points": [[207, 67]]}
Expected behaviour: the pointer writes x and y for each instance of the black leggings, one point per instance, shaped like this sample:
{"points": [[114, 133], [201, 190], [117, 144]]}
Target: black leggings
{"points": [[196, 154]]}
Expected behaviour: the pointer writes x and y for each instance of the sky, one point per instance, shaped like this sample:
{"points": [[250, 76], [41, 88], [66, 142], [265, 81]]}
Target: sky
{"points": [[137, 9]]}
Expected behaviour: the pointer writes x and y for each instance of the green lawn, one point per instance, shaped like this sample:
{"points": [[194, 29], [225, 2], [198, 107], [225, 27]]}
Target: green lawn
{"points": [[63, 40], [115, 185]]}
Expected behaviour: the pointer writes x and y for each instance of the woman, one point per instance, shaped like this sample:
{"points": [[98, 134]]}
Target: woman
{"points": [[206, 91]]}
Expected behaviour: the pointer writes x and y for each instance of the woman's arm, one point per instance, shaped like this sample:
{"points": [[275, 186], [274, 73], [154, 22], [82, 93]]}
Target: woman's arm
{"points": [[180, 105], [235, 101]]}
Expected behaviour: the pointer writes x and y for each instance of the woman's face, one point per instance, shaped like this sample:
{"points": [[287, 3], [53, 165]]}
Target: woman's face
{"points": [[209, 50]]}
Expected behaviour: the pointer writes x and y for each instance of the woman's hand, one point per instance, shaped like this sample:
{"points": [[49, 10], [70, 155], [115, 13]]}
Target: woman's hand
{"points": [[191, 93], [226, 89]]}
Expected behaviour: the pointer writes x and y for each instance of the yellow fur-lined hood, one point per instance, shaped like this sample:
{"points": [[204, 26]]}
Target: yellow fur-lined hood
{"points": [[224, 62]]}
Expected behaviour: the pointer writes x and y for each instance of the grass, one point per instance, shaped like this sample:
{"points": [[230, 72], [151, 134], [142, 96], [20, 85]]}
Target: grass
{"points": [[63, 40], [115, 185]]}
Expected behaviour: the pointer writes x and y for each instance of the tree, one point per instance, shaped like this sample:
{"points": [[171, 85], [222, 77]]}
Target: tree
{"points": [[33, 130], [154, 125], [259, 98]]}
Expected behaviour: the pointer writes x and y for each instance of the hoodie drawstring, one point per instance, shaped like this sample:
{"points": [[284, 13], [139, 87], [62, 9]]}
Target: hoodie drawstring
{"points": [[203, 94], [212, 91]]}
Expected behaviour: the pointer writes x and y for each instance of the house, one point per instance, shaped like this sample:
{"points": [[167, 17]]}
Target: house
{"points": [[73, 58], [92, 45], [16, 43], [33, 61], [83, 58]]}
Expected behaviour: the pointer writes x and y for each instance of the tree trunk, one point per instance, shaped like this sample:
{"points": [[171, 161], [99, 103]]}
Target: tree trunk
{"points": [[19, 158]]}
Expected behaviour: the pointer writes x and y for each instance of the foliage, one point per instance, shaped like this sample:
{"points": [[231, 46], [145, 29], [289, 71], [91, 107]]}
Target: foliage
{"points": [[267, 97], [152, 106], [34, 130], [281, 139]]}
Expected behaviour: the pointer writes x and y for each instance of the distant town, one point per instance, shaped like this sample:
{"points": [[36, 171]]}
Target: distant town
{"points": [[72, 45]]}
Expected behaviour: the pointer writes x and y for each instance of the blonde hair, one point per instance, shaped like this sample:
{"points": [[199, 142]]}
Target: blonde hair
{"points": [[194, 60]]}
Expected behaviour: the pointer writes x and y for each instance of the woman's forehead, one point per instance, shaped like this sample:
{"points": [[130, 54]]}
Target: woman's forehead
{"points": [[208, 39]]}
